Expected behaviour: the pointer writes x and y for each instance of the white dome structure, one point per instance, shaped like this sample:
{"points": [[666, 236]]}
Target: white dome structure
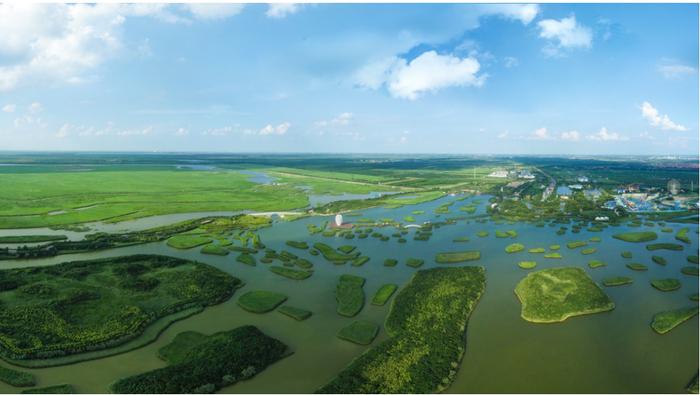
{"points": [[338, 220]]}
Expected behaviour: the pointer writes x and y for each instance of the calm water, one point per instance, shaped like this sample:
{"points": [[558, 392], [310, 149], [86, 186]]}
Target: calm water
{"points": [[607, 352]]}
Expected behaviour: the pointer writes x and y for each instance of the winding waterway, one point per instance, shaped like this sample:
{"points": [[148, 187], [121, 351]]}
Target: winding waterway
{"points": [[608, 352]]}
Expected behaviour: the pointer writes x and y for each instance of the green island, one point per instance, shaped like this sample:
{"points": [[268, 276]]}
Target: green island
{"points": [[594, 264], [553, 255], [51, 389], [261, 301], [350, 295], [666, 320], [637, 266], [588, 251], [383, 294], [636, 237], [682, 235], [302, 245], [456, 257], [482, 233], [214, 249], [246, 259], [555, 247], [553, 295], [414, 262], [515, 247], [334, 256], [626, 254], [617, 281], [184, 242], [427, 335], [527, 264], [16, 378], [538, 250], [690, 270], [208, 363], [576, 244], [294, 274], [389, 262], [359, 332], [31, 239], [295, 312], [664, 246], [659, 260], [693, 259], [99, 304], [666, 284]]}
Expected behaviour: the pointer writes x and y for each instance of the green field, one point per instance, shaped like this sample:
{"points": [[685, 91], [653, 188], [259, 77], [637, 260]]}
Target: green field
{"points": [[81, 306], [617, 281], [295, 312], [665, 321], [553, 295], [261, 301], [360, 332], [349, 294], [636, 237], [383, 294]]}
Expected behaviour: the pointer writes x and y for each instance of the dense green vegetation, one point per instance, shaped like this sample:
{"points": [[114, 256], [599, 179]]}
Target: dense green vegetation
{"points": [[666, 320], [589, 251], [294, 274], [626, 254], [426, 328], [553, 295], [360, 332], [553, 255], [80, 306], [414, 262], [302, 245], [693, 259], [456, 257], [690, 270], [214, 249], [616, 281], [664, 246], [186, 241], [576, 244], [515, 247], [682, 235], [52, 389], [637, 266], [332, 255], [246, 259], [203, 367], [16, 378], [527, 264], [349, 295], [295, 312], [636, 237], [30, 239], [666, 284], [383, 294], [659, 260], [261, 301], [594, 264], [538, 250], [390, 262]]}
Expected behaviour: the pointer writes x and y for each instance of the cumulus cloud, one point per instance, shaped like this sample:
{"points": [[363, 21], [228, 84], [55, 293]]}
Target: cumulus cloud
{"points": [[9, 108], [604, 135], [64, 131], [564, 34], [524, 13], [572, 135], [510, 61], [182, 132], [655, 119], [428, 72], [540, 134], [64, 42], [35, 107], [343, 119], [674, 70], [281, 10], [135, 132], [279, 130]]}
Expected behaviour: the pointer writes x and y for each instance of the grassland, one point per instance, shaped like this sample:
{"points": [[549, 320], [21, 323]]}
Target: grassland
{"points": [[553, 295], [52, 389], [414, 262], [383, 294], [82, 306], [595, 263], [665, 321], [16, 378], [426, 328], [208, 364], [457, 257], [690, 270], [359, 332], [527, 265], [637, 266], [349, 295], [636, 237], [294, 274], [295, 312], [332, 255], [515, 247], [215, 249], [664, 246], [666, 284], [617, 281], [261, 301], [682, 235], [184, 242]]}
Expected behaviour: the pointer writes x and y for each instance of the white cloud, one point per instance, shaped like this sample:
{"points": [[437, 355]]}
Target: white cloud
{"points": [[222, 131], [524, 13], [655, 119], [675, 70], [35, 107], [281, 10], [564, 34], [216, 11], [428, 72], [275, 130], [572, 135], [8, 108], [604, 135], [135, 132], [28, 121], [510, 61], [503, 135], [182, 132], [64, 131], [343, 119], [540, 134]]}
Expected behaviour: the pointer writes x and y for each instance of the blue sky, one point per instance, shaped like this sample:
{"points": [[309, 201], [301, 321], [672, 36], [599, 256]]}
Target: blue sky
{"points": [[392, 78]]}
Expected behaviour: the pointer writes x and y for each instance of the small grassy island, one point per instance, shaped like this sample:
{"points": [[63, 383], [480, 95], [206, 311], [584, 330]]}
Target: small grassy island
{"points": [[52, 389], [666, 284], [359, 332], [203, 364], [261, 301], [515, 247], [187, 241], [636, 237], [664, 246], [383, 294], [617, 281], [427, 333], [349, 294], [333, 255], [456, 257], [553, 295], [16, 378], [52, 312], [527, 264], [294, 274], [637, 266], [594, 264], [665, 321], [690, 270], [295, 312]]}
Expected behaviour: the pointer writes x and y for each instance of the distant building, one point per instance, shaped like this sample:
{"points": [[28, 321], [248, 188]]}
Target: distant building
{"points": [[499, 174], [602, 218], [582, 179], [673, 186], [526, 175], [576, 186]]}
